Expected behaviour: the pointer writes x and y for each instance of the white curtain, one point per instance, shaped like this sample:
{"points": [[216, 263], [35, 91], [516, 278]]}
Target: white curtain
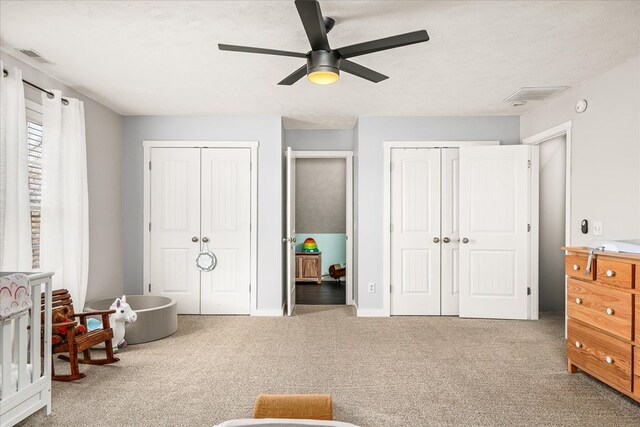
{"points": [[65, 202], [15, 216]]}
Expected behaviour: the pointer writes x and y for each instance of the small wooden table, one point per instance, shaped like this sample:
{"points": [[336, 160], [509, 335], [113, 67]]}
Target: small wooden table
{"points": [[309, 267]]}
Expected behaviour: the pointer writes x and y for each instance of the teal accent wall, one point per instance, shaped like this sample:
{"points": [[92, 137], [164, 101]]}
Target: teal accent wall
{"points": [[332, 246]]}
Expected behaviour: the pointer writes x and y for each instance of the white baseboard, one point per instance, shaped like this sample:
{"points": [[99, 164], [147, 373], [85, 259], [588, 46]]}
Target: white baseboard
{"points": [[371, 312], [269, 312]]}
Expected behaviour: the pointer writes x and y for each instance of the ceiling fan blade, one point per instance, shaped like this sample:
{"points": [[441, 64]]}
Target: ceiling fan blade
{"points": [[311, 16], [248, 49], [383, 44], [295, 76], [360, 71]]}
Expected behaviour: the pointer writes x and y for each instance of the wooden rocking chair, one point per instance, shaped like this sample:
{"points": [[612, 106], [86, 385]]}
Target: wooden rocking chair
{"points": [[72, 342]]}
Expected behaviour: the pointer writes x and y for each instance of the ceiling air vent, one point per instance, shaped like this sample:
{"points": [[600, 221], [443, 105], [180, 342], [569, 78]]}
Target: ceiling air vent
{"points": [[526, 94], [34, 55]]}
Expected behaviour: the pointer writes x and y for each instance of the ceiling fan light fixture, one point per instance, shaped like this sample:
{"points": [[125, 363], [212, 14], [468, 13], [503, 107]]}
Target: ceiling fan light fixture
{"points": [[323, 67], [324, 77]]}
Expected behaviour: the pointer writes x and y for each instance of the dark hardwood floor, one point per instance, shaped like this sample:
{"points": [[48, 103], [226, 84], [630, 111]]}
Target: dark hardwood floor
{"points": [[327, 293]]}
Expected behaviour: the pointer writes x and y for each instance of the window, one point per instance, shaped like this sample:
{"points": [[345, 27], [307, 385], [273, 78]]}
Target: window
{"points": [[34, 141]]}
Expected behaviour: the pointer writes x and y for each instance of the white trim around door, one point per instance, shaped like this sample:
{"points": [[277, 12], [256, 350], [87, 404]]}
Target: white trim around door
{"points": [[535, 140], [253, 146], [386, 238], [348, 157]]}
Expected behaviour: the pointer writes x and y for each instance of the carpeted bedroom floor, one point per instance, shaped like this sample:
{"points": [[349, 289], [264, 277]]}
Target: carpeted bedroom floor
{"points": [[399, 371]]}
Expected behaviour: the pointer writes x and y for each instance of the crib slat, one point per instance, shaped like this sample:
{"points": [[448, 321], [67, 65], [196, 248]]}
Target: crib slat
{"points": [[47, 328], [35, 330], [5, 358], [21, 346]]}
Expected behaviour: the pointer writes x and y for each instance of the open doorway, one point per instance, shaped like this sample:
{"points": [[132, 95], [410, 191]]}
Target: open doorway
{"points": [[320, 218], [552, 166], [552, 223]]}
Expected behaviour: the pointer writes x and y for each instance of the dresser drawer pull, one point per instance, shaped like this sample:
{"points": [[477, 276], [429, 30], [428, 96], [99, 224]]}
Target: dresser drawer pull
{"points": [[609, 360], [578, 301], [578, 344], [610, 311], [611, 273], [576, 267]]}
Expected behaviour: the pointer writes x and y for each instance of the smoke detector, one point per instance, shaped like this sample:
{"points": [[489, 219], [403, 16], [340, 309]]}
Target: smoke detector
{"points": [[34, 55], [526, 94]]}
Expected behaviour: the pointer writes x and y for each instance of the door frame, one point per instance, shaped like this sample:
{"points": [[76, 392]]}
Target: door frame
{"points": [[348, 157], [146, 216], [534, 141], [386, 216]]}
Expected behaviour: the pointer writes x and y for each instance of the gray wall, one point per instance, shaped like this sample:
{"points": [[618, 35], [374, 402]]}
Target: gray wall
{"points": [[265, 129], [320, 139], [104, 169], [552, 224], [321, 196], [356, 168], [605, 177], [371, 133]]}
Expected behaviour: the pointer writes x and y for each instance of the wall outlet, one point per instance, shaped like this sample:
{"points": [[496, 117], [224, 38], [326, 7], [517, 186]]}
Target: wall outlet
{"points": [[597, 228], [372, 287]]}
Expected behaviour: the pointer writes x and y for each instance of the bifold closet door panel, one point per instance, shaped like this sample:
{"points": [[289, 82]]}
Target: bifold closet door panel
{"points": [[175, 220], [226, 221], [450, 277], [494, 249], [415, 224]]}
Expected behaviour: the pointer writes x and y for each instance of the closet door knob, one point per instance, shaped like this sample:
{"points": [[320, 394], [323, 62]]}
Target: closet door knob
{"points": [[465, 240], [576, 267], [611, 273], [194, 239], [609, 360], [578, 301], [446, 240], [610, 311], [436, 240], [578, 344], [205, 239]]}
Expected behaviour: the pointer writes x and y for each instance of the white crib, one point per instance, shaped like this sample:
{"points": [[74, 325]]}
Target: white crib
{"points": [[26, 377]]}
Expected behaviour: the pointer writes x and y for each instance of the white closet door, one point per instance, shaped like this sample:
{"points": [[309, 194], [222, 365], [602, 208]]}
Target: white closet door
{"points": [[450, 277], [175, 220], [290, 240], [494, 213], [226, 221], [415, 219]]}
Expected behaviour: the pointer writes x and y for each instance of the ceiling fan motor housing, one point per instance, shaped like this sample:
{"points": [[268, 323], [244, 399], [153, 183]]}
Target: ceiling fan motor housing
{"points": [[322, 60]]}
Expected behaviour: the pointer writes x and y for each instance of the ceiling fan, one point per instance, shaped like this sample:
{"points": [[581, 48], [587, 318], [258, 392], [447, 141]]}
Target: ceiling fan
{"points": [[323, 63]]}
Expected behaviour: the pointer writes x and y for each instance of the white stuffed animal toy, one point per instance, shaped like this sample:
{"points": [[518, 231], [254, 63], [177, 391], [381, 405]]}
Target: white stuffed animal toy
{"points": [[124, 314]]}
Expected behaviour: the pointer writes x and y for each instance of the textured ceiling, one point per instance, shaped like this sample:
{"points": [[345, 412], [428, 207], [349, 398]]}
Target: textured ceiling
{"points": [[161, 58]]}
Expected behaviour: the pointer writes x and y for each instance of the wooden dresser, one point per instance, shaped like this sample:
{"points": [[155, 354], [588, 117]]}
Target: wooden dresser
{"points": [[603, 310], [309, 267]]}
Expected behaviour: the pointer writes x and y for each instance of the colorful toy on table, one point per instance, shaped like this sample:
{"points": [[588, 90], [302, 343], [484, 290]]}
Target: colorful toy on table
{"points": [[310, 245]]}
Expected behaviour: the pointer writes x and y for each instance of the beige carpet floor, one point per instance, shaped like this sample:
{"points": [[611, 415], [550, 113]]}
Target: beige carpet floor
{"points": [[400, 371]]}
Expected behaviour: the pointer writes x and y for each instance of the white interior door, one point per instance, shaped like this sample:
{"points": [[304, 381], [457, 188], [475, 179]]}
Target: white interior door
{"points": [[291, 232], [226, 222], [494, 217], [174, 222], [415, 231], [450, 277]]}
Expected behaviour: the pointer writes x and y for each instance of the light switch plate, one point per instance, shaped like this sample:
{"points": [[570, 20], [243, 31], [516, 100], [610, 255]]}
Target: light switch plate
{"points": [[597, 228]]}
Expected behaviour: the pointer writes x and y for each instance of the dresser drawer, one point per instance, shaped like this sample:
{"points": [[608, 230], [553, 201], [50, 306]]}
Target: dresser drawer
{"points": [[615, 273], [606, 358], [576, 265], [601, 307]]}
